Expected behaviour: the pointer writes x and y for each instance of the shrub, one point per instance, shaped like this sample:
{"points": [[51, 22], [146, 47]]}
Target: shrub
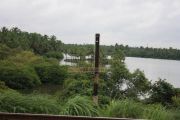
{"points": [[54, 54], [85, 76], [176, 102], [125, 108], [26, 58], [51, 73], [2, 85], [104, 100], [79, 106], [18, 77], [17, 103], [156, 112], [5, 51], [131, 109], [162, 92], [175, 114], [79, 86]]}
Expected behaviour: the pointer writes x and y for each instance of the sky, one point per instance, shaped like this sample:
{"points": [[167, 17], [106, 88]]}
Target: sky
{"points": [[153, 23]]}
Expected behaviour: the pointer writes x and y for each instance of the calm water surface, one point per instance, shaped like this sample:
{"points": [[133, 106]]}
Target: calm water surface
{"points": [[153, 68], [156, 68]]}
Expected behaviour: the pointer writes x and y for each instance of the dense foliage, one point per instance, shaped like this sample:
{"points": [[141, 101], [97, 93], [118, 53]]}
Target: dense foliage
{"points": [[18, 77], [29, 61], [162, 92], [11, 101], [25, 70], [131, 109], [54, 54], [39, 44], [17, 103], [80, 106], [49, 73]]}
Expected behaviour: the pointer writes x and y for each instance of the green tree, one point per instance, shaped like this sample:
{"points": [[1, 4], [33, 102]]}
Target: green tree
{"points": [[118, 74], [18, 77], [53, 54], [162, 92], [51, 73], [138, 85], [74, 87], [4, 51]]}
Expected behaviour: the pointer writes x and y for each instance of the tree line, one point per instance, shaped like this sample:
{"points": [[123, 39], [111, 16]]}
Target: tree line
{"points": [[144, 52], [50, 46], [37, 43]]}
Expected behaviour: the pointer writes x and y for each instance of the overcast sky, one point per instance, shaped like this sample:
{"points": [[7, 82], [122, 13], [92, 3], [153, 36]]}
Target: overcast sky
{"points": [[134, 22]]}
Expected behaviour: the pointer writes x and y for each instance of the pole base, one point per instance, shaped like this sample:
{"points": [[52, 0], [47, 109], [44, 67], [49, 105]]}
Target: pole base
{"points": [[95, 100]]}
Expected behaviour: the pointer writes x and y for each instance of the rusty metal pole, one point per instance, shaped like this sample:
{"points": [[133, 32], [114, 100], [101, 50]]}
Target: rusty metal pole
{"points": [[96, 78]]}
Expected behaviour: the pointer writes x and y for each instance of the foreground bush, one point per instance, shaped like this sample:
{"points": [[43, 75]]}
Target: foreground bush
{"points": [[73, 87], [11, 101], [162, 92], [156, 112], [131, 109], [16, 103], [80, 106], [18, 77], [125, 109], [5, 51], [51, 73]]}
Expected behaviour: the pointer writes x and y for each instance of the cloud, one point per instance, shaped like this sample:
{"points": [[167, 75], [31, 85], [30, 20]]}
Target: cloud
{"points": [[132, 22]]}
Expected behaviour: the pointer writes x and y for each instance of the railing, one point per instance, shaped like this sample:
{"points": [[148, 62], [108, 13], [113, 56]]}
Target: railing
{"points": [[85, 69], [20, 116]]}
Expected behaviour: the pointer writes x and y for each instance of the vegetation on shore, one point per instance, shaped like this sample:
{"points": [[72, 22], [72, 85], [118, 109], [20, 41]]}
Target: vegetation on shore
{"points": [[144, 52]]}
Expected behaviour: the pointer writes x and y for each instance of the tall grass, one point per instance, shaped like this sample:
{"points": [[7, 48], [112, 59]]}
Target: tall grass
{"points": [[176, 114], [80, 106], [131, 109], [11, 101], [156, 112], [18, 103], [125, 108]]}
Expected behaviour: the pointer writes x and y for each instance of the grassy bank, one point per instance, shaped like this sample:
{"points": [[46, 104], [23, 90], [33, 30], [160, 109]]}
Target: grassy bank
{"points": [[11, 101]]}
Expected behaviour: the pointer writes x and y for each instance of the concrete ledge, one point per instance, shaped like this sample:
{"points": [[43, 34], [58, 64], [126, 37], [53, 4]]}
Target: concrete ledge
{"points": [[27, 116]]}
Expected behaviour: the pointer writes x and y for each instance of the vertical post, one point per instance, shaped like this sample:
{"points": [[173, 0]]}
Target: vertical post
{"points": [[96, 78]]}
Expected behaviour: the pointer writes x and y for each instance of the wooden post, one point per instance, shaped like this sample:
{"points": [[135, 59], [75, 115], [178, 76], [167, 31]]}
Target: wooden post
{"points": [[96, 78]]}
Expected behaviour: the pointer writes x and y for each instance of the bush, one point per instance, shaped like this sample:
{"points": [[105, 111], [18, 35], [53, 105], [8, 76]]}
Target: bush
{"points": [[5, 51], [85, 76], [156, 112], [73, 87], [79, 106], [2, 85], [162, 92], [17, 103], [104, 101], [131, 109], [54, 54], [176, 102], [175, 113], [125, 108], [18, 77], [51, 73]]}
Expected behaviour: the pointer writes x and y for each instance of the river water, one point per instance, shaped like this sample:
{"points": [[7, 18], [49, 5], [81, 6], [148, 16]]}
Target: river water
{"points": [[156, 68], [153, 68]]}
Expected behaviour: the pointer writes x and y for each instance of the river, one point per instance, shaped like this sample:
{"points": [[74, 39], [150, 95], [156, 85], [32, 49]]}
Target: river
{"points": [[156, 68], [153, 68]]}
